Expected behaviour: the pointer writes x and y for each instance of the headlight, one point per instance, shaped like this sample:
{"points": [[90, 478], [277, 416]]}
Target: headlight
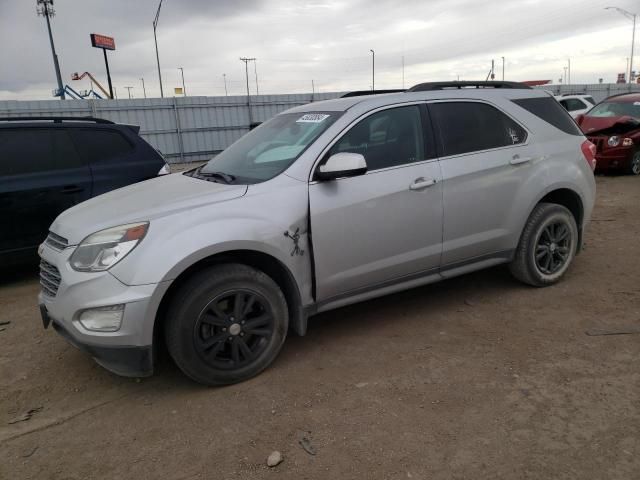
{"points": [[102, 250], [614, 141]]}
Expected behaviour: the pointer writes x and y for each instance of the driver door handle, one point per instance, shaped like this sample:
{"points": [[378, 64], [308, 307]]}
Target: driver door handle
{"points": [[422, 183], [517, 160]]}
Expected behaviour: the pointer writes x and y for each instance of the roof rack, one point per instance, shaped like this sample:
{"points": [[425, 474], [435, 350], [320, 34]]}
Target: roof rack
{"points": [[424, 87], [360, 93], [55, 119]]}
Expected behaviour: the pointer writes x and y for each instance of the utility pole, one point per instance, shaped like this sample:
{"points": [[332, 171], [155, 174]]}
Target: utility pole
{"points": [[45, 8], [255, 71], [144, 90], [155, 38], [246, 71], [129, 91], [224, 77], [373, 70], [503, 69], [184, 89], [632, 17]]}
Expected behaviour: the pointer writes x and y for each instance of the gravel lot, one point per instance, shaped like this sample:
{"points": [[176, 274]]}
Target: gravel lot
{"points": [[478, 378]]}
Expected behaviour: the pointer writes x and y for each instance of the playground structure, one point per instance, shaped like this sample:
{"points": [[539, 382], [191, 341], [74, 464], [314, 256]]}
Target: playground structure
{"points": [[82, 94]]}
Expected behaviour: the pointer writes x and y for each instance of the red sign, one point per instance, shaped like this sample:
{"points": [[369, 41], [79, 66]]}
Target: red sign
{"points": [[102, 41]]}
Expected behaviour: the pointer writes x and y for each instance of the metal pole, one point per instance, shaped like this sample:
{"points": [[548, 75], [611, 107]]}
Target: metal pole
{"points": [[633, 41], [373, 70], [255, 71], [155, 38], [313, 90], [56, 65], [403, 71], [184, 89], [503, 69], [106, 62], [129, 91], [144, 90], [569, 71], [224, 77], [246, 71]]}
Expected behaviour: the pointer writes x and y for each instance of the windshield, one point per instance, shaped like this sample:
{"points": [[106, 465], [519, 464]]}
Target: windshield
{"points": [[268, 150], [615, 109]]}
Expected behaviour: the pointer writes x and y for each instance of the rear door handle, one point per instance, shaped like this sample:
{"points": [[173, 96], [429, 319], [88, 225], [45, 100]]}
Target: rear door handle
{"points": [[72, 189], [421, 183], [517, 160]]}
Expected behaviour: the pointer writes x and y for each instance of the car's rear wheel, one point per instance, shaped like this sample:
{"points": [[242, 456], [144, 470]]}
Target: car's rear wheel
{"points": [[226, 324], [547, 246], [634, 167]]}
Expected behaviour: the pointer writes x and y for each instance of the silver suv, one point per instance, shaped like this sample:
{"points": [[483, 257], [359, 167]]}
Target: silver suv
{"points": [[324, 205]]}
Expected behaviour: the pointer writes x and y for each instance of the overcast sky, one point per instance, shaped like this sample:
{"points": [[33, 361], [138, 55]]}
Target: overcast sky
{"points": [[295, 42]]}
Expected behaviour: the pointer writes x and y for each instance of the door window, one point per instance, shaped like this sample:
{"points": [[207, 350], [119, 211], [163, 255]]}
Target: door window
{"points": [[32, 150], [465, 127], [100, 146], [388, 138]]}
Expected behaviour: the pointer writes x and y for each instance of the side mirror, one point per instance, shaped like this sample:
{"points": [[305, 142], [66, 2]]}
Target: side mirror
{"points": [[580, 118], [342, 165]]}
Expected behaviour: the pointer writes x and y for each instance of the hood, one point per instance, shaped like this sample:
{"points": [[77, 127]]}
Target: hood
{"points": [[622, 124], [155, 198]]}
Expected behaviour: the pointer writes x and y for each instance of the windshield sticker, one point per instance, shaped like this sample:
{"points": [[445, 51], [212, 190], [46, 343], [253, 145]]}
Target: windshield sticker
{"points": [[312, 118]]}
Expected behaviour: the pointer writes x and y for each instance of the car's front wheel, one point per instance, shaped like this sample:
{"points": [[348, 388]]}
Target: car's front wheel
{"points": [[226, 324], [634, 167], [547, 246]]}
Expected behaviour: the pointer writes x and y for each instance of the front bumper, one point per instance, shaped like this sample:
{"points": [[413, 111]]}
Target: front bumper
{"points": [[128, 351]]}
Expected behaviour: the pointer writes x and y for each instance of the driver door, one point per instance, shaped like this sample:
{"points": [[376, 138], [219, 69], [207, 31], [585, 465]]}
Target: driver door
{"points": [[384, 226]]}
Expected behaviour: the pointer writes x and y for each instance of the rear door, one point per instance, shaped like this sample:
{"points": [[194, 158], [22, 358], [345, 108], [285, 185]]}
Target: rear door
{"points": [[386, 225], [41, 175], [484, 156], [115, 160]]}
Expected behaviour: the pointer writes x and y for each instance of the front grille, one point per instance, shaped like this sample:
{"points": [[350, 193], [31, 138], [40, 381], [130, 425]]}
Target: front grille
{"points": [[56, 241], [598, 142], [49, 278]]}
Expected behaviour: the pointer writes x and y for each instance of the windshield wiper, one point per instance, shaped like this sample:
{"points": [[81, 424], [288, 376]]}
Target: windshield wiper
{"points": [[226, 177]]}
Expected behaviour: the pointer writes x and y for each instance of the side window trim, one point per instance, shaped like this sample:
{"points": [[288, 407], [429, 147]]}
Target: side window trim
{"points": [[438, 140], [323, 154]]}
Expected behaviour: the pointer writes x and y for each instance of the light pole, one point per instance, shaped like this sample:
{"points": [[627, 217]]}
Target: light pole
{"points": [[569, 71], [129, 91], [45, 8], [246, 71], [184, 89], [144, 90], [503, 69], [155, 38], [255, 71], [373, 70], [632, 17], [565, 75], [224, 77]]}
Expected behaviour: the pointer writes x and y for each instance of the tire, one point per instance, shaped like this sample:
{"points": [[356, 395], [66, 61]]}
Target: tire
{"points": [[634, 166], [547, 246], [226, 324]]}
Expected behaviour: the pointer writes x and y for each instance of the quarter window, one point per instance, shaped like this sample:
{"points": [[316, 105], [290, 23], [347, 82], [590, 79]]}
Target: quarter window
{"points": [[573, 104], [100, 146], [388, 138], [465, 127]]}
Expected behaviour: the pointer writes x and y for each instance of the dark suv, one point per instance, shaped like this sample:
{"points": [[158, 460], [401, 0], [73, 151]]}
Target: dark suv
{"points": [[48, 164]]}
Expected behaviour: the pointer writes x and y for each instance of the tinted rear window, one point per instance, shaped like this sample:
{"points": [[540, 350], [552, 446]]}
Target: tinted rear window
{"points": [[32, 150], [465, 127], [549, 110], [100, 146]]}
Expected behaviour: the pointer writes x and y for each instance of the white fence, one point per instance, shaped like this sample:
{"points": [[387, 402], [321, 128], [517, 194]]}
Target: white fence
{"points": [[184, 129], [195, 128]]}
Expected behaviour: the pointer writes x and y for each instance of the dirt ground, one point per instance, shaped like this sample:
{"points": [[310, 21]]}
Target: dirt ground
{"points": [[474, 378]]}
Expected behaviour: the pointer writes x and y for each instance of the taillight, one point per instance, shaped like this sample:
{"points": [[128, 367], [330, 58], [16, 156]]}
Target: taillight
{"points": [[589, 152]]}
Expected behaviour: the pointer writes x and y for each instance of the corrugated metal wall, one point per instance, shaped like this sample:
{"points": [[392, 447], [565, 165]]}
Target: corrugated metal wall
{"points": [[184, 129], [599, 91]]}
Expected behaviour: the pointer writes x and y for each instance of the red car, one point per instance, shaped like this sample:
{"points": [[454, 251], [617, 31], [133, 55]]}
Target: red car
{"points": [[614, 127]]}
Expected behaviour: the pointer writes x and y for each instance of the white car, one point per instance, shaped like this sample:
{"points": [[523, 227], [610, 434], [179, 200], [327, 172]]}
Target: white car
{"points": [[576, 104]]}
